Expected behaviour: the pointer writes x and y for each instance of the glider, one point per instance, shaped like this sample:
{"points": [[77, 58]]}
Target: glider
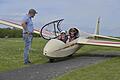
{"points": [[57, 49]]}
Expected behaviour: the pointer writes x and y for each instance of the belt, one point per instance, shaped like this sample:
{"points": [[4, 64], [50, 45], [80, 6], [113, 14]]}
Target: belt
{"points": [[28, 33]]}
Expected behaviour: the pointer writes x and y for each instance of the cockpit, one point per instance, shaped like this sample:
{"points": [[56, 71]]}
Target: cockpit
{"points": [[53, 30]]}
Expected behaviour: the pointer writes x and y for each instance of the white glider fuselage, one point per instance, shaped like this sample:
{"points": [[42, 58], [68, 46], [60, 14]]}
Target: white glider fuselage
{"points": [[56, 48]]}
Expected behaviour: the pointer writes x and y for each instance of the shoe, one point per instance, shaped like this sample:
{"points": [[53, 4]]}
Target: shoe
{"points": [[28, 62]]}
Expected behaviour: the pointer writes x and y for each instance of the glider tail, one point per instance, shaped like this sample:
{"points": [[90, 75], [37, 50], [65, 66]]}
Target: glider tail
{"points": [[97, 26], [97, 30]]}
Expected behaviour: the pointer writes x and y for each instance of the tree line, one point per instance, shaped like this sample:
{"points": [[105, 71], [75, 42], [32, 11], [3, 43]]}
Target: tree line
{"points": [[12, 33]]}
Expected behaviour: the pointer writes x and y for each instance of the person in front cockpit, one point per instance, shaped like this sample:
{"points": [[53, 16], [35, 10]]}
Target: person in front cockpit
{"points": [[63, 37]]}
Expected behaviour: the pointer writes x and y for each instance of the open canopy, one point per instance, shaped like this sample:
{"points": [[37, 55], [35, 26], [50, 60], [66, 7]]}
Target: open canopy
{"points": [[51, 30]]}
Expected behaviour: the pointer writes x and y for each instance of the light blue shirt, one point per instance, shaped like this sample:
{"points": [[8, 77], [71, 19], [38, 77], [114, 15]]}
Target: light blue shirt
{"points": [[29, 24]]}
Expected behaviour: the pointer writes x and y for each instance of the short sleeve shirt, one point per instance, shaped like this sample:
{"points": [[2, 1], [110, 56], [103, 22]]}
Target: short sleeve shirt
{"points": [[29, 24]]}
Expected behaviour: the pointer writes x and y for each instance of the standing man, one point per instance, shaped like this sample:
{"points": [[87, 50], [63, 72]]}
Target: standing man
{"points": [[27, 25]]}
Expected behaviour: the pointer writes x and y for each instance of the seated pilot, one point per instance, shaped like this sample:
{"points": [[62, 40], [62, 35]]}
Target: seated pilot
{"points": [[63, 37], [73, 34]]}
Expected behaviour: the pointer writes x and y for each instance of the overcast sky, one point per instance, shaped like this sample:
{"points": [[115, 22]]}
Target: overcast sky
{"points": [[80, 13]]}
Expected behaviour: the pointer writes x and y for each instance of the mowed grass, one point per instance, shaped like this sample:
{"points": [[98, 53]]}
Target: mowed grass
{"points": [[106, 70], [11, 53]]}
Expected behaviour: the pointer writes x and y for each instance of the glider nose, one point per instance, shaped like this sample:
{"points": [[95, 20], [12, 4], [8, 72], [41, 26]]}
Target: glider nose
{"points": [[45, 52], [52, 46]]}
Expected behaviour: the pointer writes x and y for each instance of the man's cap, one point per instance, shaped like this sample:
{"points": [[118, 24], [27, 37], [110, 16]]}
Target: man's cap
{"points": [[33, 11]]}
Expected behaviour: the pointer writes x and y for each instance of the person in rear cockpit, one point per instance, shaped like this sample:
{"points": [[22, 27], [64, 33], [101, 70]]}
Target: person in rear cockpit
{"points": [[63, 37], [73, 34]]}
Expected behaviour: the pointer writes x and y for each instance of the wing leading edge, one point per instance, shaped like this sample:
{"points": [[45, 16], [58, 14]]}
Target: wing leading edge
{"points": [[98, 42], [11, 24]]}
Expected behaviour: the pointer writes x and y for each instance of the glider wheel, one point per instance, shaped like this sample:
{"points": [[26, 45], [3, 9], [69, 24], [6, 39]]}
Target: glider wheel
{"points": [[70, 55], [51, 60]]}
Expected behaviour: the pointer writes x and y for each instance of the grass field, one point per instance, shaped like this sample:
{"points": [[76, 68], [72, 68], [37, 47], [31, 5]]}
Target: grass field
{"points": [[11, 57], [11, 53]]}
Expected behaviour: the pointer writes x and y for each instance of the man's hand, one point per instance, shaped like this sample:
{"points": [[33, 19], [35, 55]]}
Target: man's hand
{"points": [[24, 25], [27, 32]]}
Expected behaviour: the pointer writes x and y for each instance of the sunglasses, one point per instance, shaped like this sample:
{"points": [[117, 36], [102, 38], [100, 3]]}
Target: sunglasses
{"points": [[72, 31]]}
